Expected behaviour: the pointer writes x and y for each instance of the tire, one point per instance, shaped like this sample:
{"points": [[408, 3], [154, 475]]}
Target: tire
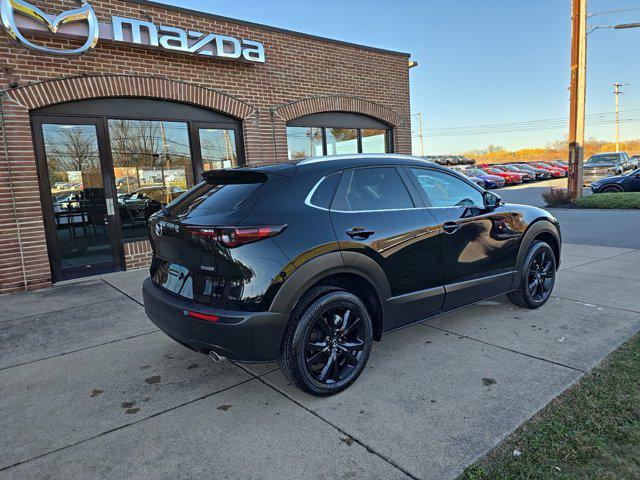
{"points": [[315, 354], [538, 276], [610, 189]]}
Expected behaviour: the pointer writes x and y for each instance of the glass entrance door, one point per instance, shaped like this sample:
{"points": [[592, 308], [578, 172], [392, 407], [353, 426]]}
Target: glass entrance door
{"points": [[78, 200]]}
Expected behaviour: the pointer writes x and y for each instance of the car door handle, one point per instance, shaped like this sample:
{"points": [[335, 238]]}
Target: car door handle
{"points": [[359, 232], [451, 227]]}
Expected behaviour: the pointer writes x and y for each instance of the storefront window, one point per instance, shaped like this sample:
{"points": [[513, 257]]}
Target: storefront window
{"points": [[341, 141], [335, 133], [152, 165], [218, 148], [304, 142], [373, 141]]}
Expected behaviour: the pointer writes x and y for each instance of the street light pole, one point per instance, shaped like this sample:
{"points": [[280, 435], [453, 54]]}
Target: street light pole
{"points": [[617, 92], [578, 95], [420, 134]]}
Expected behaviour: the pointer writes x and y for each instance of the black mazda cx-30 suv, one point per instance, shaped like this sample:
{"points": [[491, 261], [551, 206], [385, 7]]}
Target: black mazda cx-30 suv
{"points": [[310, 262]]}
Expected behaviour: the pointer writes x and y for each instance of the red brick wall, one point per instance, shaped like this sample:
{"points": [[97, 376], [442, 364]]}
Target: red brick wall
{"points": [[302, 75], [137, 254]]}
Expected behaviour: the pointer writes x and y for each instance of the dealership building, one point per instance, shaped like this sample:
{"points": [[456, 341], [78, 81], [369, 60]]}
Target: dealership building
{"points": [[111, 109]]}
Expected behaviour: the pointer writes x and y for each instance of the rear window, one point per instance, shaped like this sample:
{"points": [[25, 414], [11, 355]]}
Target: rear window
{"points": [[206, 198], [322, 195]]}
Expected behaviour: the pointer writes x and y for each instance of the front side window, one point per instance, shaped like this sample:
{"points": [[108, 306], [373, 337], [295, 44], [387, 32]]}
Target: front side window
{"points": [[444, 190], [367, 189]]}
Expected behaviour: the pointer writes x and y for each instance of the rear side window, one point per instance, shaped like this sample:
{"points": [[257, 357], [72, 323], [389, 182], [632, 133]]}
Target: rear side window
{"points": [[206, 198], [379, 188], [323, 191]]}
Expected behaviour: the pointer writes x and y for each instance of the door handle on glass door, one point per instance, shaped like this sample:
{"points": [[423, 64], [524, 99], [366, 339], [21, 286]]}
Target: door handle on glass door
{"points": [[359, 233], [451, 227]]}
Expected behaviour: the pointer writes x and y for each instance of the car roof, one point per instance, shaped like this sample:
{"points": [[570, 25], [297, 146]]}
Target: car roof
{"points": [[365, 159]]}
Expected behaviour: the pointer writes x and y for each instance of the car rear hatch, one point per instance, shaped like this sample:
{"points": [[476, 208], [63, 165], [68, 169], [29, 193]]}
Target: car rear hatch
{"points": [[192, 236]]}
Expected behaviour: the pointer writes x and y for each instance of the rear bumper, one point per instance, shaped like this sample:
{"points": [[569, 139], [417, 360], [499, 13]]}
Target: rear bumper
{"points": [[242, 336]]}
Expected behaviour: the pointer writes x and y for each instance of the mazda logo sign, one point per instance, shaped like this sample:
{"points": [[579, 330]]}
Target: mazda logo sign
{"points": [[9, 8]]}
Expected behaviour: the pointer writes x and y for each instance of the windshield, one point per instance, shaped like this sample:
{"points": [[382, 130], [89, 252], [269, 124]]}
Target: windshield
{"points": [[601, 159]]}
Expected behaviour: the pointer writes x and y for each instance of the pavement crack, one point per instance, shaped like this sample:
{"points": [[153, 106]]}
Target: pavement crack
{"points": [[84, 440], [78, 350], [504, 348]]}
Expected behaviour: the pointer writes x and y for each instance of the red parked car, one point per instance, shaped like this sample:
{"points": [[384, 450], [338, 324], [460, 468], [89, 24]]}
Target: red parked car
{"points": [[555, 171], [558, 164], [510, 178], [526, 177]]}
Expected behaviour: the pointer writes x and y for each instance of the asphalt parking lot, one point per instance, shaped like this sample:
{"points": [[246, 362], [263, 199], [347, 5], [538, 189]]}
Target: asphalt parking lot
{"points": [[612, 228], [90, 389]]}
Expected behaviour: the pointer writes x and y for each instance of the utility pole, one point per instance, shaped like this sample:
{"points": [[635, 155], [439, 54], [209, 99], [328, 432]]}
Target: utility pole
{"points": [[420, 135], [578, 95], [617, 92]]}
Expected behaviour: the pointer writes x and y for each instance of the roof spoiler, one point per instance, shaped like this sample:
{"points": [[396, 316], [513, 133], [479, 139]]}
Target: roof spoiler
{"points": [[234, 176]]}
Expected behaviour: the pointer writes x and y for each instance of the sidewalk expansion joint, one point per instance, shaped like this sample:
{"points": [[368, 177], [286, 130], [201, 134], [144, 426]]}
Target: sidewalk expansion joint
{"points": [[335, 427], [123, 293], [80, 442], [505, 348], [582, 302], [49, 312], [78, 350]]}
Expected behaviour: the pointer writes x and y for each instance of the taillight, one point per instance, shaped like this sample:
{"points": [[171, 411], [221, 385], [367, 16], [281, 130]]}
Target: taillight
{"points": [[232, 237], [202, 316]]}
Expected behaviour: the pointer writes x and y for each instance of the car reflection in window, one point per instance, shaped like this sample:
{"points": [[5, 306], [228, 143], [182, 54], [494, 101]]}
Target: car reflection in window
{"points": [[136, 207]]}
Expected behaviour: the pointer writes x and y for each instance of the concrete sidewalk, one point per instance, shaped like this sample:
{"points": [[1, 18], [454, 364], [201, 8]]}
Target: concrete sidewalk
{"points": [[90, 389]]}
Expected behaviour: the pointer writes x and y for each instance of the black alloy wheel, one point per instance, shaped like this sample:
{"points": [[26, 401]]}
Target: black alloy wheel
{"points": [[541, 275], [610, 189], [328, 341], [538, 276], [335, 344]]}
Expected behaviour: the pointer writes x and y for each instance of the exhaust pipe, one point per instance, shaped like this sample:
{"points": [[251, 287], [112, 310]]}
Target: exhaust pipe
{"points": [[215, 357]]}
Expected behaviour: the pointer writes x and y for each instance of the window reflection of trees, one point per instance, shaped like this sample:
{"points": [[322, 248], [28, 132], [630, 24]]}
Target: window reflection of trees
{"points": [[218, 148], [151, 157]]}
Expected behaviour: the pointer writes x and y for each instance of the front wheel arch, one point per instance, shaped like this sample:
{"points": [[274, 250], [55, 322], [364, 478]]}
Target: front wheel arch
{"points": [[541, 230]]}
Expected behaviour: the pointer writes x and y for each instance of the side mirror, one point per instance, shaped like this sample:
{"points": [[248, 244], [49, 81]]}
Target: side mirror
{"points": [[491, 200]]}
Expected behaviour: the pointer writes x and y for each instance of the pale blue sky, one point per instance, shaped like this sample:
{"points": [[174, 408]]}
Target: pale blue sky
{"points": [[481, 62]]}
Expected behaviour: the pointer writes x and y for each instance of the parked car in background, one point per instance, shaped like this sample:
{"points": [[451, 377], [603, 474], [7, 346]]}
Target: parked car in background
{"points": [[604, 164], [635, 161], [556, 172], [311, 262], [490, 181], [629, 182], [479, 181], [510, 178], [540, 173], [558, 164], [526, 176]]}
